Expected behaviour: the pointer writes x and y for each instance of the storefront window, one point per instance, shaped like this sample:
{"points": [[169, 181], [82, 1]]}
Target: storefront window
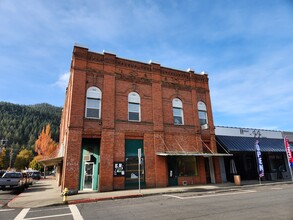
{"points": [[131, 173], [277, 163], [187, 166], [131, 163]]}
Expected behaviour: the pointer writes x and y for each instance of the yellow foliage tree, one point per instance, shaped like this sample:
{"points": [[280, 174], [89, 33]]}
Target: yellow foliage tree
{"points": [[23, 159], [45, 145]]}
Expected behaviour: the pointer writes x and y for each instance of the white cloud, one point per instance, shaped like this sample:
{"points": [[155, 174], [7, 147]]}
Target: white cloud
{"points": [[62, 81]]}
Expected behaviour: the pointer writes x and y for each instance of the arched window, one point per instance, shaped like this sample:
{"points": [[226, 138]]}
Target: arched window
{"points": [[177, 111], [93, 103], [202, 113], [133, 106]]}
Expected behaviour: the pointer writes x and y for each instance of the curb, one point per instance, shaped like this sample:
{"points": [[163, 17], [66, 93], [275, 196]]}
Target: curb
{"points": [[77, 201]]}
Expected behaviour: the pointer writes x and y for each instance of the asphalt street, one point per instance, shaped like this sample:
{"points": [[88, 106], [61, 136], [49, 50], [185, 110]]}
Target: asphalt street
{"points": [[265, 202]]}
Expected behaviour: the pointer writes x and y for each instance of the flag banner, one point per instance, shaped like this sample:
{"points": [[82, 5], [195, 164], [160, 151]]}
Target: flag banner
{"points": [[261, 171], [288, 151]]}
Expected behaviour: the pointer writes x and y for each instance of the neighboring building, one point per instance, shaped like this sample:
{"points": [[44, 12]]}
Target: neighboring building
{"points": [[116, 106], [241, 143]]}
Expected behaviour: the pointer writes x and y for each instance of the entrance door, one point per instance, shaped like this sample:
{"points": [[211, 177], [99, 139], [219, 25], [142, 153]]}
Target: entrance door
{"points": [[88, 175], [172, 171], [209, 168]]}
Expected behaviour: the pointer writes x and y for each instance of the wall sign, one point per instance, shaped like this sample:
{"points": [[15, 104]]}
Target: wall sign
{"points": [[119, 169]]}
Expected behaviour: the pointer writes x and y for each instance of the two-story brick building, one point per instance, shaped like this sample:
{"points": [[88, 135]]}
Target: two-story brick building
{"points": [[116, 106]]}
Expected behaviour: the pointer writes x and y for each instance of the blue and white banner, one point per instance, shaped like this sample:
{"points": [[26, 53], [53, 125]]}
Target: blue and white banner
{"points": [[261, 171]]}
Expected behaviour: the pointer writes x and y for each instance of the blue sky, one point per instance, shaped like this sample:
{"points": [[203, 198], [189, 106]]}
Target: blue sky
{"points": [[245, 46]]}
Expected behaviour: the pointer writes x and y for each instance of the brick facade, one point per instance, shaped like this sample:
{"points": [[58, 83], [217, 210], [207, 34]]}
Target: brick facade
{"points": [[157, 86]]}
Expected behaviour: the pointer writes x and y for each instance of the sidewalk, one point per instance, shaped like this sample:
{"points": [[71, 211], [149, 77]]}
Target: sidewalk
{"points": [[46, 193]]}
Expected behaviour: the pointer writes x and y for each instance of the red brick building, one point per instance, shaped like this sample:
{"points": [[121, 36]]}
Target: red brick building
{"points": [[116, 106]]}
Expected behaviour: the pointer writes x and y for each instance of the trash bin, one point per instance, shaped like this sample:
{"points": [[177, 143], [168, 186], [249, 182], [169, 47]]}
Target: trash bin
{"points": [[237, 180]]}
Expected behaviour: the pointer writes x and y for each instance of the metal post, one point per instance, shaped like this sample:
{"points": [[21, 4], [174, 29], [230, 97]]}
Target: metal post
{"points": [[139, 162], [10, 157]]}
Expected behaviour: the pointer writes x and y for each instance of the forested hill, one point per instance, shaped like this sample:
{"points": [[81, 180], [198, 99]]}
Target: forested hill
{"points": [[22, 124]]}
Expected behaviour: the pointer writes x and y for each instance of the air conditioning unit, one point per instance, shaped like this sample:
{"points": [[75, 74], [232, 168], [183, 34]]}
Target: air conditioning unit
{"points": [[204, 127], [87, 158]]}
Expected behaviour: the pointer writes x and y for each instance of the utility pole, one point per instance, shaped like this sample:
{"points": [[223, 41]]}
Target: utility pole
{"points": [[10, 156]]}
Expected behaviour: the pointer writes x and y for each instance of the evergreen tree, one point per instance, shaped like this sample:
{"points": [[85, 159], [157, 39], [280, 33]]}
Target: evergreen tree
{"points": [[21, 125]]}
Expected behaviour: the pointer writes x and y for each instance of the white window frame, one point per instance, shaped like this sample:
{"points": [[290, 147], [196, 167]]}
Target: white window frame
{"points": [[201, 107], [93, 93], [177, 105], [134, 99]]}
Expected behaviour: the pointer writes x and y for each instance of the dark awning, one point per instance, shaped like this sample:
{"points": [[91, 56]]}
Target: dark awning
{"points": [[183, 153], [240, 144]]}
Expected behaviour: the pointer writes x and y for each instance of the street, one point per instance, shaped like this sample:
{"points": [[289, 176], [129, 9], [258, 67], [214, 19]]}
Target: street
{"points": [[6, 196], [264, 202]]}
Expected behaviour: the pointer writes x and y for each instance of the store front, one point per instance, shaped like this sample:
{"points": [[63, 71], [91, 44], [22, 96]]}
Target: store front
{"points": [[89, 166], [188, 168], [243, 149], [132, 168], [179, 167]]}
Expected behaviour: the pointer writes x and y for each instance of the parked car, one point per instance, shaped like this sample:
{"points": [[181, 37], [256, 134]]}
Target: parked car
{"points": [[36, 175], [2, 172], [13, 181]]}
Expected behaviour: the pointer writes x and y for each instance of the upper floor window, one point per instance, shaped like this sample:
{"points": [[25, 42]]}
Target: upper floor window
{"points": [[202, 113], [93, 103], [133, 107], [177, 111]]}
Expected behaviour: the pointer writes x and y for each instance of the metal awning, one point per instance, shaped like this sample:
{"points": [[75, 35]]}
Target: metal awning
{"points": [[247, 144], [51, 161], [183, 153]]}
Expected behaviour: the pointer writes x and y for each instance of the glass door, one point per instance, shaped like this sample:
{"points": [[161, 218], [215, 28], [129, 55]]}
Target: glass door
{"points": [[88, 175]]}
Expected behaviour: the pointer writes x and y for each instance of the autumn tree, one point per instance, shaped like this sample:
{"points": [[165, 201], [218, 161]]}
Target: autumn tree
{"points": [[35, 165], [45, 145], [3, 160], [23, 159]]}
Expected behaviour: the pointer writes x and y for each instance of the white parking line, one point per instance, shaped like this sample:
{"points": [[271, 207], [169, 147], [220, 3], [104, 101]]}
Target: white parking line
{"points": [[75, 212], [41, 210], [22, 214], [6, 210], [211, 195], [277, 188], [48, 216]]}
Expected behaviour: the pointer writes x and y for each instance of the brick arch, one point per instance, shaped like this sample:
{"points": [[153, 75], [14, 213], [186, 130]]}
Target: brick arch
{"points": [[137, 90]]}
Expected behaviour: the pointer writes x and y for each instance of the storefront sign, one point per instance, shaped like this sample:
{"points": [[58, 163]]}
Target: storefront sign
{"points": [[259, 160], [119, 169]]}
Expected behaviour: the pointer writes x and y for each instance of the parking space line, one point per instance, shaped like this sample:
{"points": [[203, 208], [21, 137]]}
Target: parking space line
{"points": [[211, 195], [277, 188], [41, 210], [6, 210], [75, 212], [22, 214], [48, 216]]}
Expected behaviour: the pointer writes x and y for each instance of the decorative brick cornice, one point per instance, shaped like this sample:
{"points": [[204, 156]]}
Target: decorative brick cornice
{"points": [[133, 78], [132, 64], [95, 57], [176, 86], [175, 74]]}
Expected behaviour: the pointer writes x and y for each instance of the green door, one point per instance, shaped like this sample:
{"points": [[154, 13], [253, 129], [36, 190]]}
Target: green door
{"points": [[89, 165], [172, 171]]}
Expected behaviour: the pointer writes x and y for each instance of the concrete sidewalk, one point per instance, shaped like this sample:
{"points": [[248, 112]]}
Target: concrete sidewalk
{"points": [[45, 192]]}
